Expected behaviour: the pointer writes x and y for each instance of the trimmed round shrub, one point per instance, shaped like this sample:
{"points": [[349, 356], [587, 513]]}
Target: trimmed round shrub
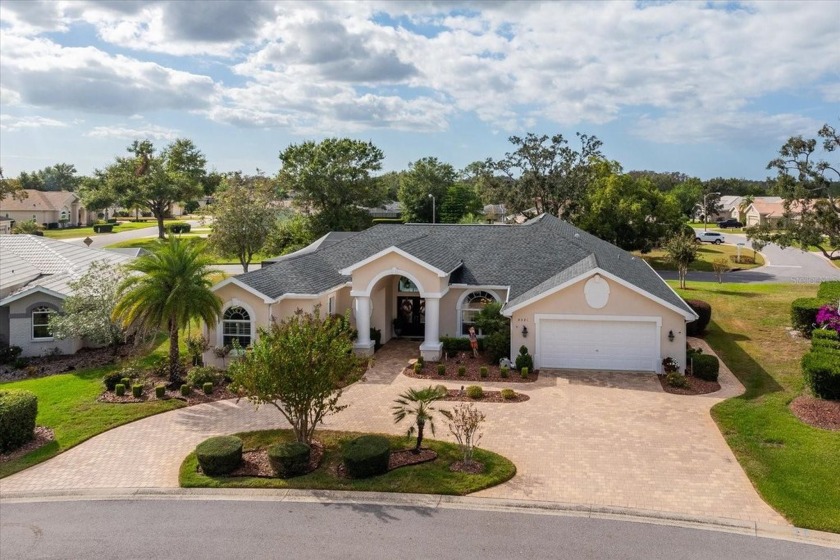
{"points": [[803, 314], [289, 459], [111, 379], [483, 371], [524, 372], [508, 394], [705, 366], [126, 381], [119, 389], [442, 389], [160, 391], [208, 388], [677, 380], [524, 359], [704, 310], [822, 373], [366, 456], [504, 371], [186, 389], [475, 392], [198, 376], [219, 455], [441, 369], [18, 410], [137, 391], [462, 371]]}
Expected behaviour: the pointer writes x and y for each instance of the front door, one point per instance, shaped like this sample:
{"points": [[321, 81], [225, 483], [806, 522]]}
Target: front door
{"points": [[412, 314]]}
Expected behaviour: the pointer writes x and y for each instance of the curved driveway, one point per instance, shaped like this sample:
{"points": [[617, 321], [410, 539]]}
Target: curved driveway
{"points": [[601, 439]]}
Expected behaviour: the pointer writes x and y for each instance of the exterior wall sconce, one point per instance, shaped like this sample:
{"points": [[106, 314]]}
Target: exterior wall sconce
{"points": [[524, 332], [671, 336]]}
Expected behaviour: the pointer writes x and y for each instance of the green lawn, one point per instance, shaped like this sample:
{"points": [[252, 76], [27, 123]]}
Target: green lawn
{"points": [[706, 254], [67, 404], [151, 243], [70, 233], [433, 477], [712, 226], [795, 467]]}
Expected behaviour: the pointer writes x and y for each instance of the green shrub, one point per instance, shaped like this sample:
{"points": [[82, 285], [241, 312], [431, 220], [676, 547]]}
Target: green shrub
{"points": [[366, 456], [8, 354], [822, 373], [186, 388], [208, 388], [418, 367], [137, 391], [829, 291], [482, 371], [442, 390], [219, 455], [504, 371], [705, 366], [675, 379], [508, 394], [289, 459], [198, 376], [454, 344], [524, 372], [475, 392], [160, 392], [119, 389], [825, 340], [103, 228], [18, 410], [691, 352], [704, 310], [421, 361], [497, 345], [441, 369], [462, 371], [178, 227], [524, 359], [111, 379], [803, 314]]}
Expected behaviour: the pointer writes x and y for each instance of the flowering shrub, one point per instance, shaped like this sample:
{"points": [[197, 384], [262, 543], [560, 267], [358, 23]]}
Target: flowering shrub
{"points": [[828, 318], [670, 365]]}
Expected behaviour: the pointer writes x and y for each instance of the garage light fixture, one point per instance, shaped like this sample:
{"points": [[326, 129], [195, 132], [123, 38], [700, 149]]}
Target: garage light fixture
{"points": [[671, 336], [524, 332]]}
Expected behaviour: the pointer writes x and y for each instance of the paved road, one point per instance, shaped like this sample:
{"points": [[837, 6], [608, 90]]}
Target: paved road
{"points": [[198, 528], [105, 239]]}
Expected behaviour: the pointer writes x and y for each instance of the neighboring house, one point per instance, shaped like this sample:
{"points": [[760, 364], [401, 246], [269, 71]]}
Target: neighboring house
{"points": [[765, 211], [390, 210], [34, 280], [574, 300], [495, 213], [62, 208], [733, 207], [5, 225]]}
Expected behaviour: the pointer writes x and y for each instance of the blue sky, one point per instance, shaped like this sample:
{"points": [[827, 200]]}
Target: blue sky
{"points": [[709, 89]]}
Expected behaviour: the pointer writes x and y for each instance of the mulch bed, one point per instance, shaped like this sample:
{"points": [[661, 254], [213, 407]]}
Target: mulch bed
{"points": [[473, 370], [399, 459], [52, 365], [473, 467], [489, 396], [255, 462], [817, 412], [42, 437], [696, 386], [197, 396]]}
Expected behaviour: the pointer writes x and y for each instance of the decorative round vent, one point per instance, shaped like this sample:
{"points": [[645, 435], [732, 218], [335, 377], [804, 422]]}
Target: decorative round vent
{"points": [[597, 292]]}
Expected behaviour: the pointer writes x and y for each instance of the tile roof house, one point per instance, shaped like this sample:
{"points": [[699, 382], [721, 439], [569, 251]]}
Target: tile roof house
{"points": [[574, 300], [35, 273], [766, 210], [46, 207]]}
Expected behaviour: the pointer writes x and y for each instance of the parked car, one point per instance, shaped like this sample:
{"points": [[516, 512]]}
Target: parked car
{"points": [[730, 223], [710, 237]]}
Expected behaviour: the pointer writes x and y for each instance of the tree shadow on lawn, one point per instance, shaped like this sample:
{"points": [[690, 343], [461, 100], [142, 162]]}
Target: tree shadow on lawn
{"points": [[750, 373]]}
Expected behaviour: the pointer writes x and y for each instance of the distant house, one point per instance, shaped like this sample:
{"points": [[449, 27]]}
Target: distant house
{"points": [[766, 211], [35, 273], [731, 206], [390, 210], [62, 208], [5, 225]]}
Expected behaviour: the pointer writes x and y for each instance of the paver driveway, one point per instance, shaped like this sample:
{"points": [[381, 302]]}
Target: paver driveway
{"points": [[589, 438]]}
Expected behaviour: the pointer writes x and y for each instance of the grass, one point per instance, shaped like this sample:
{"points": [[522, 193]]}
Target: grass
{"points": [[433, 477], [706, 254], [792, 465], [151, 243], [67, 404], [70, 233]]}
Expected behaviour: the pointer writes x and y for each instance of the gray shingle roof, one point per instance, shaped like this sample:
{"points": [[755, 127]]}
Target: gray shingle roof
{"points": [[530, 258]]}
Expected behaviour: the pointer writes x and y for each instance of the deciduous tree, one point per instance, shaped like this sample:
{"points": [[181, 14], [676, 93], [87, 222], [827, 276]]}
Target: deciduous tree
{"points": [[682, 251], [424, 177]]}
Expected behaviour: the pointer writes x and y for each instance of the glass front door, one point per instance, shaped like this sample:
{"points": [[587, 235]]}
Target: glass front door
{"points": [[411, 314]]}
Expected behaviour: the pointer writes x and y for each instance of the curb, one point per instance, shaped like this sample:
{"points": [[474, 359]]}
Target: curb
{"points": [[433, 501]]}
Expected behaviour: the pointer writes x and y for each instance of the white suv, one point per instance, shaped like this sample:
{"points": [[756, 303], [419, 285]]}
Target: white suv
{"points": [[710, 237]]}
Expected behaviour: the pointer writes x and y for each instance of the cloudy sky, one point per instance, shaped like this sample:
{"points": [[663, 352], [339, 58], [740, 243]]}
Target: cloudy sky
{"points": [[707, 89]]}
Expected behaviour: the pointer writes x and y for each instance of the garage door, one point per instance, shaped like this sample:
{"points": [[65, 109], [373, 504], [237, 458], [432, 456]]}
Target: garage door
{"points": [[752, 220], [601, 344]]}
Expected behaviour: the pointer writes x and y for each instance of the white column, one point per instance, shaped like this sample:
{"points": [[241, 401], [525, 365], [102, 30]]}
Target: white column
{"points": [[431, 347], [364, 345]]}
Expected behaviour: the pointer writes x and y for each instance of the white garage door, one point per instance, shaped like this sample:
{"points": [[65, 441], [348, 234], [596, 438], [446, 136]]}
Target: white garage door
{"points": [[601, 344]]}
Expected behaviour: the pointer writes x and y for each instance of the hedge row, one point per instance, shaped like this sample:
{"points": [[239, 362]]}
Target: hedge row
{"points": [[704, 310], [18, 410], [803, 314], [453, 345], [705, 366], [821, 366]]}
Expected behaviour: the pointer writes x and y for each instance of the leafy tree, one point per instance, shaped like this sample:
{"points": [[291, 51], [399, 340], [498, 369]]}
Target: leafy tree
{"points": [[288, 235], [298, 366], [807, 182], [460, 199], [489, 185], [682, 251], [96, 192], [472, 219], [389, 185], [11, 188], [88, 311], [156, 181], [665, 182], [496, 330], [418, 404], [243, 218], [170, 290], [687, 195], [58, 177], [30, 227], [709, 203], [333, 180], [424, 177], [549, 173]]}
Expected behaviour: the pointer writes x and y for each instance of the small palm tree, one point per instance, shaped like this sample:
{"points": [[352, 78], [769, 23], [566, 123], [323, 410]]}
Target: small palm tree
{"points": [[171, 289], [418, 404]]}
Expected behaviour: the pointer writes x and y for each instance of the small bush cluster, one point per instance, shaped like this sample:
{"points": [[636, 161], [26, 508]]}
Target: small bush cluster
{"points": [[524, 359], [18, 410], [123, 376], [9, 354], [198, 376], [418, 366], [462, 371], [219, 455], [675, 379], [706, 367], [453, 345], [821, 366], [504, 371], [186, 389], [704, 310], [508, 394], [289, 459], [137, 391], [524, 372], [366, 456], [178, 227], [441, 369], [475, 392], [160, 392], [119, 389], [482, 371]]}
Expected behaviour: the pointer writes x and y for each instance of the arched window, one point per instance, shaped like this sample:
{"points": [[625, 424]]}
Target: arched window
{"points": [[470, 307], [41, 323], [236, 325]]}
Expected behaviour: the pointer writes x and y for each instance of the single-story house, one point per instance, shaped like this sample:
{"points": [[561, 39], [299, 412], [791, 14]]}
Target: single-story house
{"points": [[35, 273], [389, 211], [62, 208], [574, 300], [766, 211], [5, 225]]}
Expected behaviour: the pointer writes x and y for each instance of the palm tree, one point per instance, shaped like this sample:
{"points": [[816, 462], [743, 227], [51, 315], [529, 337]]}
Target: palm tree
{"points": [[171, 289], [418, 403]]}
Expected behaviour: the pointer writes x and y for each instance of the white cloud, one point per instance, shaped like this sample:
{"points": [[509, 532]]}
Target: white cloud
{"points": [[735, 127], [11, 123], [150, 132]]}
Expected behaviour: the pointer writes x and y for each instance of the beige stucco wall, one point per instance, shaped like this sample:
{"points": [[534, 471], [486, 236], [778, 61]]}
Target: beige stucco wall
{"points": [[20, 327], [622, 302], [396, 264]]}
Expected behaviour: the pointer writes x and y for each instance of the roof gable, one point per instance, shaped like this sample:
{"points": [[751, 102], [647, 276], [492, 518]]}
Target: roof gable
{"points": [[39, 201]]}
